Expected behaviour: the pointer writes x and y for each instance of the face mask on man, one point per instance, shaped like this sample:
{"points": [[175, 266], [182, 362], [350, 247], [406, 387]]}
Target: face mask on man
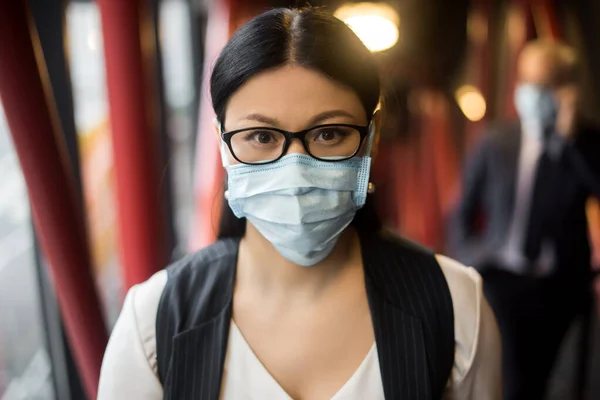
{"points": [[300, 204], [536, 105]]}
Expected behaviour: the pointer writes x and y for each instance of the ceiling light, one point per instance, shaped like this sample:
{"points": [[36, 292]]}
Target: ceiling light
{"points": [[376, 24], [471, 102]]}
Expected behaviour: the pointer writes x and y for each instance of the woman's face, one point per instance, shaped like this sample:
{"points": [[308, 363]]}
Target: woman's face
{"points": [[292, 98]]}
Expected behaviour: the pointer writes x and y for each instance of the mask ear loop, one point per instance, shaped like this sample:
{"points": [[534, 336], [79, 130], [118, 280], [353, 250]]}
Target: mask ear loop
{"points": [[371, 134], [370, 139], [369, 148], [224, 155]]}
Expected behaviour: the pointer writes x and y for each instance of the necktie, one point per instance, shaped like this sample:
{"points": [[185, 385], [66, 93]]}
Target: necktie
{"points": [[540, 207]]}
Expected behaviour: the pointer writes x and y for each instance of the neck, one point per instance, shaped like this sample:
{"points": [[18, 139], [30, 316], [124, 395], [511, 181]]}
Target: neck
{"points": [[263, 268]]}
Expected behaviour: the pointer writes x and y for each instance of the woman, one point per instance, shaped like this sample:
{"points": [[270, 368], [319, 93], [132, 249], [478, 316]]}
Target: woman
{"points": [[302, 296]]}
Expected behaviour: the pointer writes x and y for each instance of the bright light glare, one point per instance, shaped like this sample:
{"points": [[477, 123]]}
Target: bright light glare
{"points": [[471, 102], [377, 33], [92, 40], [376, 24]]}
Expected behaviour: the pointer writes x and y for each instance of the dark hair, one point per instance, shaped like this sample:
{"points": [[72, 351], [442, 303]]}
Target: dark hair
{"points": [[308, 37]]}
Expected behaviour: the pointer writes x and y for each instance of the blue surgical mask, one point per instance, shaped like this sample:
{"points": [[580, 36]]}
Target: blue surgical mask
{"points": [[536, 105], [299, 204]]}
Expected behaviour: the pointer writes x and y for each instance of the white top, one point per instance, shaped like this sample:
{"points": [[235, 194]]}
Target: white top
{"points": [[511, 254], [129, 366], [246, 378]]}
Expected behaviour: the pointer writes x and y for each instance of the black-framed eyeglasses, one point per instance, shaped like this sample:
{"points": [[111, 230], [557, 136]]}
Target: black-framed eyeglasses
{"points": [[263, 145]]}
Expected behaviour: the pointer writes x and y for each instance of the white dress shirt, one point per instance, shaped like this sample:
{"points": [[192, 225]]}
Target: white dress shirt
{"points": [[511, 255], [129, 369], [245, 377]]}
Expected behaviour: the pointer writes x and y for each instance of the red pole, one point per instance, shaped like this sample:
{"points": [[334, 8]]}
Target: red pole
{"points": [[131, 95], [51, 187]]}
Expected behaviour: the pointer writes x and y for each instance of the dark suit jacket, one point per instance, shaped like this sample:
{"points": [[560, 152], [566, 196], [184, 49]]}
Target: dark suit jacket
{"points": [[479, 227], [409, 298], [587, 141]]}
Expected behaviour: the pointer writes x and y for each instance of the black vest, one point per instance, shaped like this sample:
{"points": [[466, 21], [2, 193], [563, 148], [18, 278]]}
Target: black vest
{"points": [[409, 299]]}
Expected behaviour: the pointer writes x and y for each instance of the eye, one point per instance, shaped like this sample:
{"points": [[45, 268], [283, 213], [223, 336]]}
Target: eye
{"points": [[331, 134], [327, 135], [263, 137]]}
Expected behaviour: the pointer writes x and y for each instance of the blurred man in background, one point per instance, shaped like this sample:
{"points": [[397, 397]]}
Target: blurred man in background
{"points": [[522, 220]]}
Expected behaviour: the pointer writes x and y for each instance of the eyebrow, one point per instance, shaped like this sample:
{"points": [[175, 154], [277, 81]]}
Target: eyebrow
{"points": [[261, 118], [328, 115], [314, 121]]}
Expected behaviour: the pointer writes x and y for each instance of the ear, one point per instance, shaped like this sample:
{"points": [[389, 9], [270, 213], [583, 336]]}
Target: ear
{"points": [[376, 121], [217, 126]]}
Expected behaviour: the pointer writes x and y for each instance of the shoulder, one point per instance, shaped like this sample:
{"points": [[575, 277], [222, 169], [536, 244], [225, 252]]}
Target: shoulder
{"points": [[464, 282], [199, 288], [131, 350], [408, 276], [145, 295], [474, 326], [133, 344], [497, 136], [497, 131], [144, 302], [129, 367], [141, 305], [455, 294], [466, 290], [587, 142], [144, 299]]}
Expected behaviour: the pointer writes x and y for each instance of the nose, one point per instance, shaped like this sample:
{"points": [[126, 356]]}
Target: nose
{"points": [[296, 147]]}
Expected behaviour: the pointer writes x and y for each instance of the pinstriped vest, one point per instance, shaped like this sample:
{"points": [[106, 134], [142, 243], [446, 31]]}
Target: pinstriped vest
{"points": [[409, 299]]}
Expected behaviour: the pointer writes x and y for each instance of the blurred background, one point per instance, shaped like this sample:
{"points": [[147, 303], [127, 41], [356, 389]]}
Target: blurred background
{"points": [[127, 106]]}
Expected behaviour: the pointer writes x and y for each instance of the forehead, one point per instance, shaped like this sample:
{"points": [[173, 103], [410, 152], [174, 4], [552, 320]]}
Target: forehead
{"points": [[538, 66], [292, 95]]}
